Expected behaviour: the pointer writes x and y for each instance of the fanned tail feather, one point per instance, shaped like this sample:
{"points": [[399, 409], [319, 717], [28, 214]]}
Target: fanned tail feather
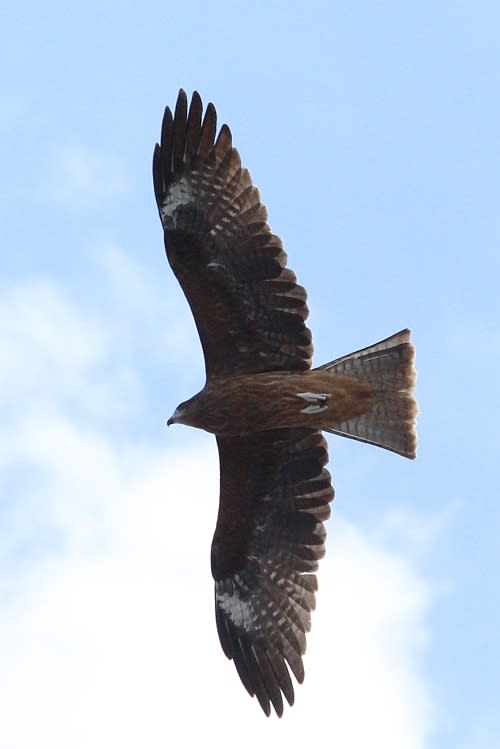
{"points": [[388, 367]]}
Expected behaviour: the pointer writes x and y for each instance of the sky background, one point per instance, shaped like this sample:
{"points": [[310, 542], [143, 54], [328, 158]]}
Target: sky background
{"points": [[371, 129]]}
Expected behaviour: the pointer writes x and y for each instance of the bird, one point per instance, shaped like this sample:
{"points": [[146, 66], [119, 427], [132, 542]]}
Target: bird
{"points": [[263, 401]]}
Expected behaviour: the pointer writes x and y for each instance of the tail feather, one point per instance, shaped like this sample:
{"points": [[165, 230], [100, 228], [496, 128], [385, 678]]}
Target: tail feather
{"points": [[388, 367]]}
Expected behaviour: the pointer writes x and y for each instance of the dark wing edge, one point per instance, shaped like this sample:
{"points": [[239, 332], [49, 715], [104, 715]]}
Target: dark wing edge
{"points": [[275, 495], [249, 310]]}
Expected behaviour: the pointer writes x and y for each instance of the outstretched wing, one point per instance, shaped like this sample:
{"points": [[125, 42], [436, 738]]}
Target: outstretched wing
{"points": [[275, 494], [247, 306]]}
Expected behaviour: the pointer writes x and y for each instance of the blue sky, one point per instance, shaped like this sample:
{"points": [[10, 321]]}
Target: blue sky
{"points": [[371, 129]]}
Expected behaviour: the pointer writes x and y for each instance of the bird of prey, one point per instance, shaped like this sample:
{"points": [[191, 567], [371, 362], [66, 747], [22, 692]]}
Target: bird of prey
{"points": [[262, 400]]}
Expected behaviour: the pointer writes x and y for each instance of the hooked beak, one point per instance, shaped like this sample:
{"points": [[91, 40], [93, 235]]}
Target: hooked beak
{"points": [[176, 417]]}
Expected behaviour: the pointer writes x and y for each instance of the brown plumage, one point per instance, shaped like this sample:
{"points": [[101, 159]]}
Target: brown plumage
{"points": [[262, 400]]}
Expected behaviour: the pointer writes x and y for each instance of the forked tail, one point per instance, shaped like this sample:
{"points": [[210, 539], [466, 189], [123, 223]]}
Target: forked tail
{"points": [[388, 367]]}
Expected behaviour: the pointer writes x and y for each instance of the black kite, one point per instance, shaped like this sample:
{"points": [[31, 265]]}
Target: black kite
{"points": [[262, 400]]}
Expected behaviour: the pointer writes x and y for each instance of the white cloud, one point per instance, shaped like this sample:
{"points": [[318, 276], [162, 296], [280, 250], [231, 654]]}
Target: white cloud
{"points": [[52, 355], [156, 304], [107, 635], [402, 527], [80, 177]]}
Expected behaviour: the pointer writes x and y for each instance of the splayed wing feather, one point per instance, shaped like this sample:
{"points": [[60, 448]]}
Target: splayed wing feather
{"points": [[275, 493], [249, 311]]}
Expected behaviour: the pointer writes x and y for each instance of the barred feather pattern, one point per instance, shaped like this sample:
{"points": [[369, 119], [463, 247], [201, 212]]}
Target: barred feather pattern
{"points": [[267, 544], [249, 309], [388, 367]]}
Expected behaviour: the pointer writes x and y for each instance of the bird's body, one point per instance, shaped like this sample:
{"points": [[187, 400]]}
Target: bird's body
{"points": [[246, 404], [264, 403]]}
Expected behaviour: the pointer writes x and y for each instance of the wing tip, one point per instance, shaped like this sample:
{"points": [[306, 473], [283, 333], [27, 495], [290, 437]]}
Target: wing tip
{"points": [[184, 136]]}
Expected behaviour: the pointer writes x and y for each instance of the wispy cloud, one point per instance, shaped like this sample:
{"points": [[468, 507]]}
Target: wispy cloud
{"points": [[403, 528], [155, 308], [106, 611], [54, 357], [80, 177]]}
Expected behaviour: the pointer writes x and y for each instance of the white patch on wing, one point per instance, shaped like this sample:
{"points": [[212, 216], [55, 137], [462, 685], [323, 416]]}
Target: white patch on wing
{"points": [[179, 193], [241, 613], [318, 402]]}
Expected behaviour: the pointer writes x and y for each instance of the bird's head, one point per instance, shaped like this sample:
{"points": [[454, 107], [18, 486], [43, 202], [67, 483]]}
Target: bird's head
{"points": [[179, 415], [185, 413]]}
